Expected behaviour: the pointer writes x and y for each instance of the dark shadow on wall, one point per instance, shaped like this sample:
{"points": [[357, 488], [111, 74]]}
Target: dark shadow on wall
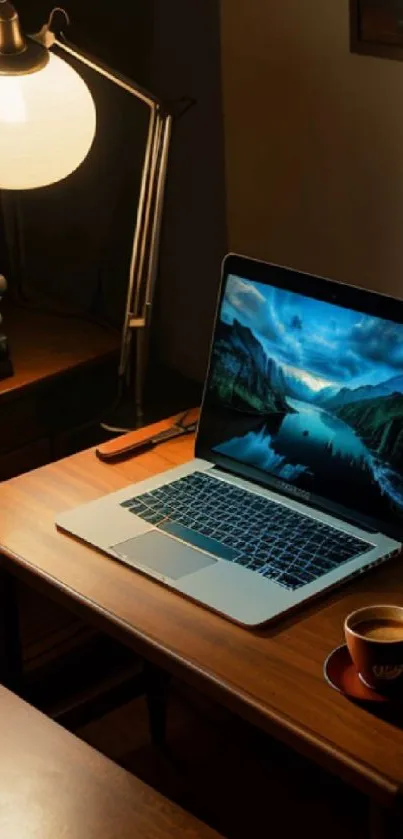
{"points": [[74, 250], [186, 59]]}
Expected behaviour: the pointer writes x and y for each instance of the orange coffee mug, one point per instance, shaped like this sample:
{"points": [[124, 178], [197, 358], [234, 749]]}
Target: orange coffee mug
{"points": [[374, 637]]}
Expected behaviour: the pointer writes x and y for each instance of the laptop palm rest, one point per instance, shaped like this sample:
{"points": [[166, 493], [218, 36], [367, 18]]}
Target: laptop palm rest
{"points": [[163, 555]]}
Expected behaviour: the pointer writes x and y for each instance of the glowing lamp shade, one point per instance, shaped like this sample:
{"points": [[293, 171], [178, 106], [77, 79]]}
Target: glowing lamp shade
{"points": [[47, 125]]}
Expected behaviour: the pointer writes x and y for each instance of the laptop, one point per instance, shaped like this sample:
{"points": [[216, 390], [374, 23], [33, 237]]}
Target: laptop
{"points": [[297, 481]]}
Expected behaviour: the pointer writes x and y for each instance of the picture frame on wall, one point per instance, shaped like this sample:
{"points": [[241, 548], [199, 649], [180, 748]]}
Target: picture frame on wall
{"points": [[376, 28]]}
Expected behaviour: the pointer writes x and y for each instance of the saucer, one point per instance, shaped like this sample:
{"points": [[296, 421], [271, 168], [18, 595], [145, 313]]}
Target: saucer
{"points": [[340, 673]]}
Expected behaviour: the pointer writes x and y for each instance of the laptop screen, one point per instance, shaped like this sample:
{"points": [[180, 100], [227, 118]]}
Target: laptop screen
{"points": [[307, 391]]}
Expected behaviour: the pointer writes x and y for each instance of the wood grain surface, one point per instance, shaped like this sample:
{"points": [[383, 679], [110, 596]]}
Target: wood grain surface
{"points": [[272, 677], [53, 785]]}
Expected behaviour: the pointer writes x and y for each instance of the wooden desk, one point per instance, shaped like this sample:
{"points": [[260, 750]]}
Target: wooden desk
{"points": [[53, 785], [272, 677]]}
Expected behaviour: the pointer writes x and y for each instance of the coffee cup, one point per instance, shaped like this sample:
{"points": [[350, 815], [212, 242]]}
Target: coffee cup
{"points": [[374, 637]]}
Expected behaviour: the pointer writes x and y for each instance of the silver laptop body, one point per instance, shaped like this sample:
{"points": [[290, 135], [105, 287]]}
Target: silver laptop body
{"points": [[297, 483]]}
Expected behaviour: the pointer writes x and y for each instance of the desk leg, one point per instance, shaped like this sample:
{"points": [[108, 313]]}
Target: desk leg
{"points": [[10, 640], [157, 683], [384, 824]]}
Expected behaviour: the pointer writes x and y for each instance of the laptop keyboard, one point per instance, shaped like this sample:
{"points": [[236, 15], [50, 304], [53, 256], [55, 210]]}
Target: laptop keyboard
{"points": [[237, 525]]}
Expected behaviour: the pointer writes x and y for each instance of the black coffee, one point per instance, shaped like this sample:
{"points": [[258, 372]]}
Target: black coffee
{"points": [[380, 629]]}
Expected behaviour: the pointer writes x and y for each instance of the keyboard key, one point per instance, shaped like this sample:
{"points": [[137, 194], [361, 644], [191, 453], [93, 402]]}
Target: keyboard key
{"points": [[243, 560], [152, 518], [255, 563]]}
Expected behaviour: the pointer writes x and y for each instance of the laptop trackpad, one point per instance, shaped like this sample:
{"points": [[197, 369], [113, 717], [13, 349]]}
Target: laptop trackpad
{"points": [[163, 555]]}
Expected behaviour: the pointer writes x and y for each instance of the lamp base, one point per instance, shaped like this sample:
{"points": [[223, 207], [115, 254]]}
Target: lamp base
{"points": [[166, 393], [123, 417]]}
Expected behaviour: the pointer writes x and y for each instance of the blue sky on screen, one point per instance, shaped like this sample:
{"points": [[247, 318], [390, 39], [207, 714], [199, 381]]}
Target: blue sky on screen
{"points": [[321, 343]]}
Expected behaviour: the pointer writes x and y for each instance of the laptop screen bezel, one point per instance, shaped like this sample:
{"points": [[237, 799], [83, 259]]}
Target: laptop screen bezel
{"points": [[319, 288]]}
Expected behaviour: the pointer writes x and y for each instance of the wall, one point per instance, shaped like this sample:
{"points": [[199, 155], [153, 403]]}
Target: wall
{"points": [[314, 142], [122, 40], [186, 62]]}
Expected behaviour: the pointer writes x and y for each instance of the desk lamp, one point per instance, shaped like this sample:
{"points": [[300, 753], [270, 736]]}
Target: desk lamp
{"points": [[47, 126]]}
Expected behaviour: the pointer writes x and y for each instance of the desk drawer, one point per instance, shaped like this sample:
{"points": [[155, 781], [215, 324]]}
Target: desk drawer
{"points": [[63, 403]]}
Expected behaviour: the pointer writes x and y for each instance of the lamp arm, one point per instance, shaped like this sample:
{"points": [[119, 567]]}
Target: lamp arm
{"points": [[147, 230], [120, 80]]}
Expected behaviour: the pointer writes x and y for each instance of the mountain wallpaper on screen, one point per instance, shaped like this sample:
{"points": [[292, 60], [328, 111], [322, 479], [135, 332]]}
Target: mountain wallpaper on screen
{"points": [[322, 387]]}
